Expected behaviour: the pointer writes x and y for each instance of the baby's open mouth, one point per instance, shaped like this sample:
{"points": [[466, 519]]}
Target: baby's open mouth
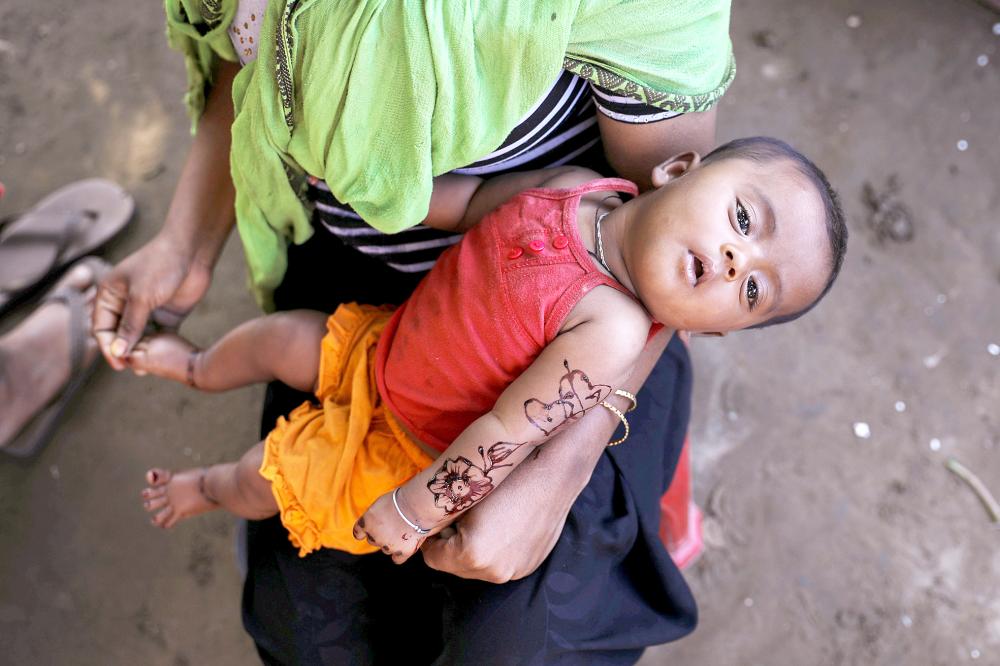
{"points": [[698, 269]]}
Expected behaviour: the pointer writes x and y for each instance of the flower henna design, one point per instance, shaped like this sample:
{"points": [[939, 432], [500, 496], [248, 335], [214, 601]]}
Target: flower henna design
{"points": [[459, 483], [577, 394]]}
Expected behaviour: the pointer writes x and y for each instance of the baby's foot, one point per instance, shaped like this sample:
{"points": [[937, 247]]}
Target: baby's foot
{"points": [[165, 355], [172, 497]]}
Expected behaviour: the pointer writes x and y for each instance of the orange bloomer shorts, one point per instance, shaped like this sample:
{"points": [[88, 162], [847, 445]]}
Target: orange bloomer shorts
{"points": [[327, 464]]}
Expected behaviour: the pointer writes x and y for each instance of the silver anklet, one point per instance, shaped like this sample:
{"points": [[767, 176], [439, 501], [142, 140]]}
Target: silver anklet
{"points": [[416, 528], [201, 487]]}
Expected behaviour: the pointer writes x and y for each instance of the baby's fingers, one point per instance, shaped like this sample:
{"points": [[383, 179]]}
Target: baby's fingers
{"points": [[406, 552], [359, 529]]}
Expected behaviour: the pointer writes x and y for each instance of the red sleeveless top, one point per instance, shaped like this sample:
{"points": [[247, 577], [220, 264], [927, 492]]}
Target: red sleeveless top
{"points": [[486, 310]]}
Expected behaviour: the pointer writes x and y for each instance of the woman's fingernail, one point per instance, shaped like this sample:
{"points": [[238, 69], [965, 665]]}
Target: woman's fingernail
{"points": [[118, 347]]}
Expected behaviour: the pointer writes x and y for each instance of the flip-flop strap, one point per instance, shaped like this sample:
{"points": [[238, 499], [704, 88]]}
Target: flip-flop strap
{"points": [[78, 333], [63, 235], [62, 239]]}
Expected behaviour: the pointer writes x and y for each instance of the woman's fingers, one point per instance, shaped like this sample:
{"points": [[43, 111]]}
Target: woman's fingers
{"points": [[112, 296], [131, 325]]}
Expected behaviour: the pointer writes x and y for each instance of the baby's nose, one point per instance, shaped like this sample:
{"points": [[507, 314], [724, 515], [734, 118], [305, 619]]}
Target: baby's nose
{"points": [[734, 262]]}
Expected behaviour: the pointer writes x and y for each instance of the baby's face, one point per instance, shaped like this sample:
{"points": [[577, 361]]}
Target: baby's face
{"points": [[728, 245]]}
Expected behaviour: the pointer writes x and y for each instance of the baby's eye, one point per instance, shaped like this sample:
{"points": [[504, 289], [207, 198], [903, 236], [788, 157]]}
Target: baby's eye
{"points": [[742, 219], [752, 293]]}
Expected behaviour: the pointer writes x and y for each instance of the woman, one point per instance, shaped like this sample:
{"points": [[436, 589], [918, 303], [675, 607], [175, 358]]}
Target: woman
{"points": [[364, 103]]}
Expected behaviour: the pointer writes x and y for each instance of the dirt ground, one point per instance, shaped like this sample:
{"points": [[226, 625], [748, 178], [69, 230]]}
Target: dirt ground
{"points": [[823, 547]]}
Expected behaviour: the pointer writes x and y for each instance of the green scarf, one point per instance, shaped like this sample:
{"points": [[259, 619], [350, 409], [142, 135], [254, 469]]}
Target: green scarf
{"points": [[379, 96]]}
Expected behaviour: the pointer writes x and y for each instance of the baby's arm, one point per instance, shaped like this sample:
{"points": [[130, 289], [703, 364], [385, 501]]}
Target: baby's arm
{"points": [[459, 201], [573, 374]]}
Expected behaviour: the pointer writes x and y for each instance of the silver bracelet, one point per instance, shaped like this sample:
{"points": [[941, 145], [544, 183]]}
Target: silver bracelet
{"points": [[416, 528]]}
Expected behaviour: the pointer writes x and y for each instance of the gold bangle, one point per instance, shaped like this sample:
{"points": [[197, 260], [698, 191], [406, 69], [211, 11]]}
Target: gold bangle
{"points": [[617, 412], [628, 396]]}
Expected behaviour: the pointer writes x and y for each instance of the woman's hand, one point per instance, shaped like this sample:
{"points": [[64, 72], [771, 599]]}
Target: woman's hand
{"points": [[159, 281], [508, 535], [167, 276]]}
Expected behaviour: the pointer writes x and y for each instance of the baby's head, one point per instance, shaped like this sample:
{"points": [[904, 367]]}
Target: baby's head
{"points": [[751, 235]]}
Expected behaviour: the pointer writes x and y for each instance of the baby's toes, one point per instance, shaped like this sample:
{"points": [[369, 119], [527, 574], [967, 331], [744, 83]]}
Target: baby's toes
{"points": [[155, 503], [164, 518], [158, 477], [138, 360]]}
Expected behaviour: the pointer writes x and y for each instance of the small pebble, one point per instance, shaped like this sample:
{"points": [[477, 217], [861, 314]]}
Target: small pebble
{"points": [[54, 471], [187, 450], [906, 620], [996, 28], [993, 349], [842, 128], [942, 299], [962, 145], [19, 148], [900, 406], [853, 21], [931, 362], [935, 444], [861, 430], [982, 60], [748, 602], [974, 653]]}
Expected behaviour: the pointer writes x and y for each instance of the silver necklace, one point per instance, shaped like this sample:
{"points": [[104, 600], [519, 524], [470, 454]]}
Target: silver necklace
{"points": [[598, 241]]}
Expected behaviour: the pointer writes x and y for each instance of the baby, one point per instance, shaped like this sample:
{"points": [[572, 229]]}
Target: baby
{"points": [[535, 317]]}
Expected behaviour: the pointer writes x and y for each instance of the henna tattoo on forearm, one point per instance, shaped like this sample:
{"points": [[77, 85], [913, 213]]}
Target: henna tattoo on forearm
{"points": [[460, 483], [577, 394]]}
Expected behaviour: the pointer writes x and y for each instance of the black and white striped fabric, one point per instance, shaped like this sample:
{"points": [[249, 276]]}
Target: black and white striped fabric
{"points": [[560, 129]]}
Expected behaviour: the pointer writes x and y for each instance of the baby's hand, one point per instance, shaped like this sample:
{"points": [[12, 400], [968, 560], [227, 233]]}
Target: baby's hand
{"points": [[382, 527]]}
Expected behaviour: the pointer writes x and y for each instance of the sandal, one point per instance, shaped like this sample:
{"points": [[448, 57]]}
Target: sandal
{"points": [[38, 431], [73, 221]]}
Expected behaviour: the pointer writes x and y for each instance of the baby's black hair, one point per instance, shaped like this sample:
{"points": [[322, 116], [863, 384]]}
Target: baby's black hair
{"points": [[764, 149]]}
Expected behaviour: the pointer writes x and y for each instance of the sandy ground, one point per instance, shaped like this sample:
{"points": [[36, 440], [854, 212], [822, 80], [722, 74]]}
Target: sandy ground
{"points": [[822, 547]]}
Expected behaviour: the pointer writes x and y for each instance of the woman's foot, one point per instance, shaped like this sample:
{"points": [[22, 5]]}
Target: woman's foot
{"points": [[35, 356], [165, 355], [172, 497]]}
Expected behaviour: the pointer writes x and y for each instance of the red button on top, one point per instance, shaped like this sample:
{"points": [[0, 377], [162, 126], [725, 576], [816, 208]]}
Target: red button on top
{"points": [[514, 253], [560, 242], [536, 246]]}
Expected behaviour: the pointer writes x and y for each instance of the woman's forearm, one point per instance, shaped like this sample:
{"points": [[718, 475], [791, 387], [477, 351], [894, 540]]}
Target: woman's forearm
{"points": [[201, 213]]}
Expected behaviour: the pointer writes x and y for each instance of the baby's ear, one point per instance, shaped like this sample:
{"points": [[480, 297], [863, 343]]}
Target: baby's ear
{"points": [[674, 167]]}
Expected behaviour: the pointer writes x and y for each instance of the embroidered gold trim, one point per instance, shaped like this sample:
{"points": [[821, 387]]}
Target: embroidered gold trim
{"points": [[283, 74], [619, 85], [211, 11]]}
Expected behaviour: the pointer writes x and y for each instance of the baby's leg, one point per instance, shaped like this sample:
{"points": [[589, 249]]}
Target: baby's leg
{"points": [[236, 487], [283, 346]]}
